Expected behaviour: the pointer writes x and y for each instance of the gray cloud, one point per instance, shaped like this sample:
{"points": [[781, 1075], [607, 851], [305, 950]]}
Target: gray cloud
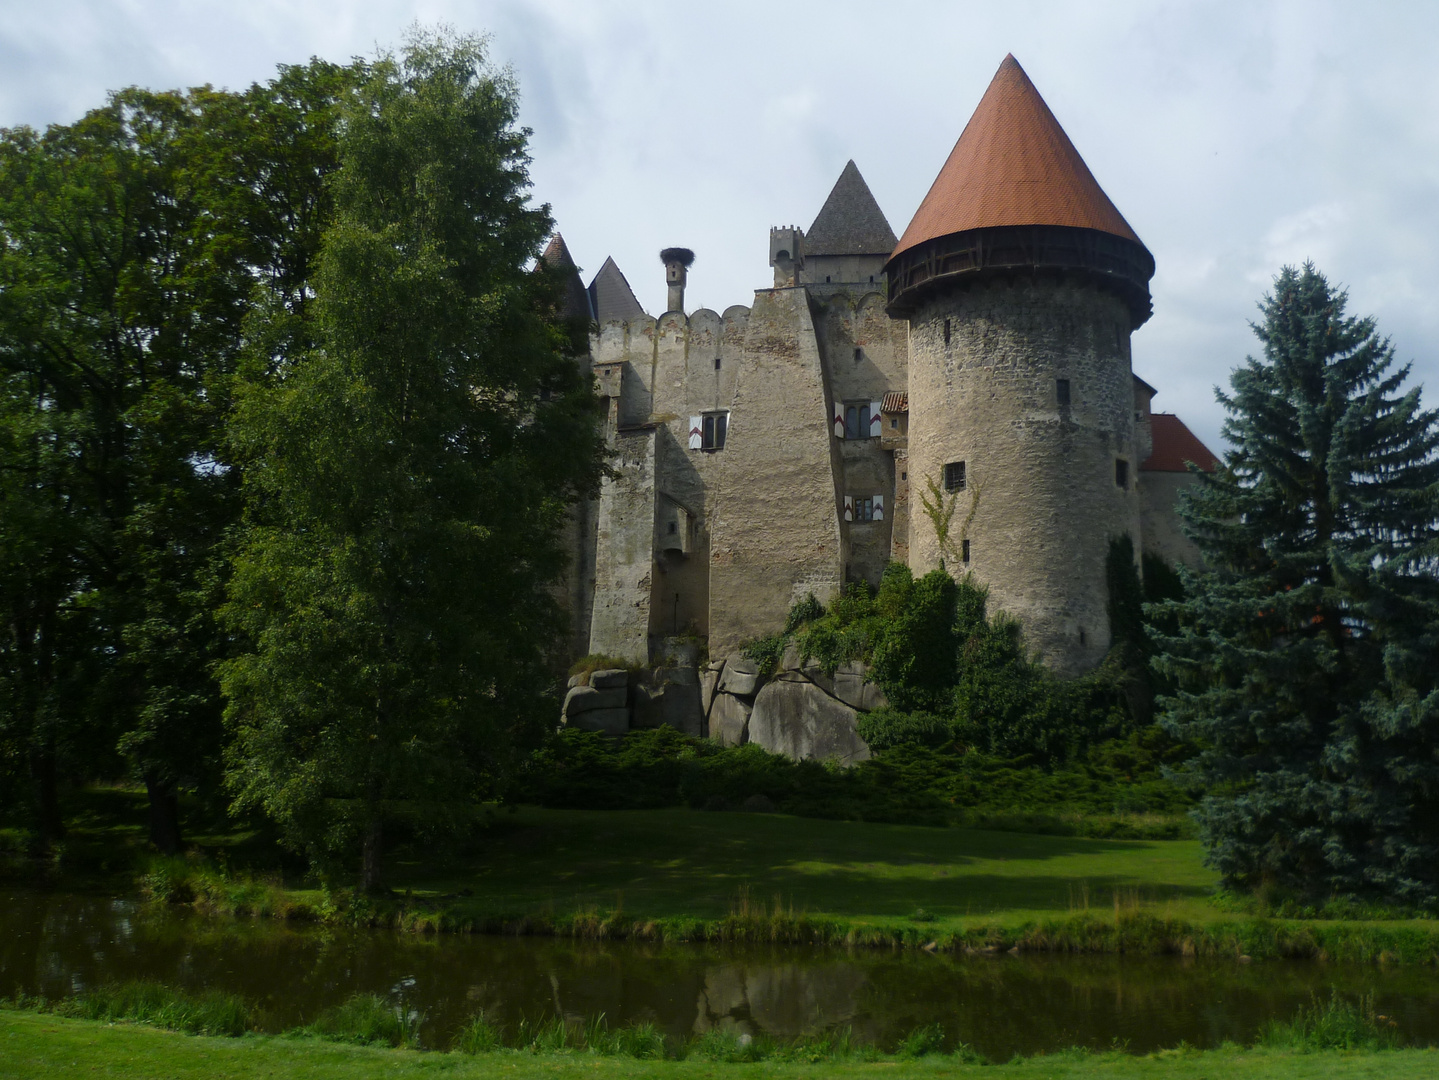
{"points": [[1234, 136]]}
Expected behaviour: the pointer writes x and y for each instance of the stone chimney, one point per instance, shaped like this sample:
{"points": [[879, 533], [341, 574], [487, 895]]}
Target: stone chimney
{"points": [[677, 262]]}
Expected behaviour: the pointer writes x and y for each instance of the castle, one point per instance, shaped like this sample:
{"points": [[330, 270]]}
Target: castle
{"points": [[976, 369]]}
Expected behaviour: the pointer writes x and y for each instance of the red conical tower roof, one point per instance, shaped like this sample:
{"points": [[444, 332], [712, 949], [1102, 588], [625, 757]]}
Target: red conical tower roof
{"points": [[1013, 165]]}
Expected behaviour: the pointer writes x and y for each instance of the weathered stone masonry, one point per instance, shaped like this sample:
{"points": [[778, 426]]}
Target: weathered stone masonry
{"points": [[789, 446]]}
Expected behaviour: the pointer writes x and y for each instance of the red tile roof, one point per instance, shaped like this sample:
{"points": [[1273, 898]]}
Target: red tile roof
{"points": [[1174, 445], [1013, 165], [895, 402]]}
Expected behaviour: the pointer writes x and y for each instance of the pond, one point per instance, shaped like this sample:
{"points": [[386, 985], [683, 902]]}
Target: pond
{"points": [[59, 945]]}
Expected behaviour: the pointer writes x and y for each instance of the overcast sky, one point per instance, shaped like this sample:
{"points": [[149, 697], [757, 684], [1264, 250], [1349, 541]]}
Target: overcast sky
{"points": [[1234, 137]]}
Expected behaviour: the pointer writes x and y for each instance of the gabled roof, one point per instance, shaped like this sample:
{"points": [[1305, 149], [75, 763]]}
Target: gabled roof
{"points": [[611, 296], [1013, 165], [850, 222], [577, 300], [1174, 445]]}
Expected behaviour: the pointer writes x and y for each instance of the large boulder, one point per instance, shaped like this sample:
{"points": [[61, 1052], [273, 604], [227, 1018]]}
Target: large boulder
{"points": [[852, 686], [583, 699], [610, 721], [609, 678], [729, 720], [681, 707], [800, 721], [741, 677]]}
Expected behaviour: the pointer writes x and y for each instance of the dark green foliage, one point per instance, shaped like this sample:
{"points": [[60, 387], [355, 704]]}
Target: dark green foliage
{"points": [[1304, 658], [130, 245], [905, 782], [1126, 594], [411, 458], [953, 675]]}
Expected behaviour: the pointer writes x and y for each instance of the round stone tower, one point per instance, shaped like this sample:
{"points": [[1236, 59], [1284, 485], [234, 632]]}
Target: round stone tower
{"points": [[1022, 282]]}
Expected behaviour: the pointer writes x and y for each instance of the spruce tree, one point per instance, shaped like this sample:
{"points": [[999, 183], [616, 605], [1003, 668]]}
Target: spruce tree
{"points": [[1303, 655]]}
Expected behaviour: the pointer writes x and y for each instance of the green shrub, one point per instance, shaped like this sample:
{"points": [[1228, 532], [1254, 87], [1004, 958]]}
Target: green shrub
{"points": [[368, 1020], [209, 1012], [478, 1036], [729, 1046], [921, 1042], [1335, 1024]]}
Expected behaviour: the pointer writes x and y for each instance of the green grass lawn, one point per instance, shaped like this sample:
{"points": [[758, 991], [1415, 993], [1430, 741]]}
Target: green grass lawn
{"points": [[36, 1046], [658, 864], [719, 875]]}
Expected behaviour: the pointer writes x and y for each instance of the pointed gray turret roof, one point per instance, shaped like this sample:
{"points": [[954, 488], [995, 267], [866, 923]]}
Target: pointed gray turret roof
{"points": [[850, 222], [577, 300], [611, 296]]}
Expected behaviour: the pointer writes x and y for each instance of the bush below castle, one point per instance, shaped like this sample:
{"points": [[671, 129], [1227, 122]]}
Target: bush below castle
{"points": [[976, 732]]}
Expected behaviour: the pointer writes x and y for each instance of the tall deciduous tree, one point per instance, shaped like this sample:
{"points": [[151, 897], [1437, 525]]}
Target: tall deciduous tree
{"points": [[132, 244], [1304, 656], [409, 473]]}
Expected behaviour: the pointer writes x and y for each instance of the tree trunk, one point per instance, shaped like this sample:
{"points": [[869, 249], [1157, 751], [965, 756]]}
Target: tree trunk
{"points": [[370, 858], [164, 814], [49, 825]]}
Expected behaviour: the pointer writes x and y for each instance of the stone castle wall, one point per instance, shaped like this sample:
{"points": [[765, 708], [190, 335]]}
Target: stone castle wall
{"points": [[1040, 501]]}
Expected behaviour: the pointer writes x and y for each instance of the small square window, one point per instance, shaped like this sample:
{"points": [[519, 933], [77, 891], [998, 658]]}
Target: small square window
{"points": [[1121, 473], [954, 476], [894, 422], [1061, 391]]}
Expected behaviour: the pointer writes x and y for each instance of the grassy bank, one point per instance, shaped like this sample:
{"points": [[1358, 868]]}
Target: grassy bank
{"points": [[690, 875], [35, 1045], [683, 875]]}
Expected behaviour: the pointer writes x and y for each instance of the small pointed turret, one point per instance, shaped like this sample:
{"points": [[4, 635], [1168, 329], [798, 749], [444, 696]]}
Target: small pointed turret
{"points": [[611, 297], [577, 299]]}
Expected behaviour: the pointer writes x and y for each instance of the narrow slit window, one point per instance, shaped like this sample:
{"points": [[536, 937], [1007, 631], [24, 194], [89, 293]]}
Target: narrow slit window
{"points": [[954, 476], [1061, 391], [1121, 473], [964, 551], [717, 363], [946, 331]]}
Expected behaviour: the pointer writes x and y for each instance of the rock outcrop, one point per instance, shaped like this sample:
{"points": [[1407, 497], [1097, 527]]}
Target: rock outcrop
{"points": [[801, 712]]}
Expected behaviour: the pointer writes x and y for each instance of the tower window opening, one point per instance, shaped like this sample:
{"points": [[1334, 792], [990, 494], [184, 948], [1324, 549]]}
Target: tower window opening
{"points": [[1121, 473], [954, 476], [946, 331], [904, 476], [1061, 391], [1081, 635], [964, 551], [717, 363], [826, 279], [674, 527], [714, 428], [871, 279], [858, 354], [856, 421]]}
